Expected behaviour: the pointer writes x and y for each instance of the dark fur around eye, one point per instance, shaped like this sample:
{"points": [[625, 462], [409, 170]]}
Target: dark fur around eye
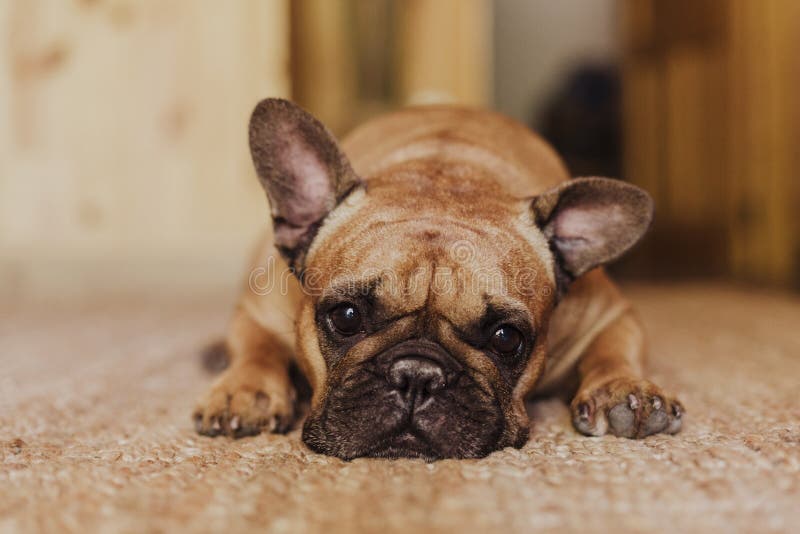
{"points": [[503, 332]]}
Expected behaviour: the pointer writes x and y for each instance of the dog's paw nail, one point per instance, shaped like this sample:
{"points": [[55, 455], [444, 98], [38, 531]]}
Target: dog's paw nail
{"points": [[273, 423], [234, 424], [677, 420], [587, 421], [633, 402], [215, 425], [656, 403]]}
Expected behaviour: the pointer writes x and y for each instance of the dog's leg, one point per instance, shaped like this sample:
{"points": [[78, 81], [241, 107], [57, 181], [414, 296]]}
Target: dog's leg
{"points": [[254, 393], [612, 396]]}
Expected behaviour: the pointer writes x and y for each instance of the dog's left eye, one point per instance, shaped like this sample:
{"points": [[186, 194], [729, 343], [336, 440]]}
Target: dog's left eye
{"points": [[506, 340], [345, 319]]}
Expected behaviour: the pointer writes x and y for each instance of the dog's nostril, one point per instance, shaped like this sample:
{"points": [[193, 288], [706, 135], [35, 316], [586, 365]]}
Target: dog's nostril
{"points": [[435, 383], [398, 380], [415, 377]]}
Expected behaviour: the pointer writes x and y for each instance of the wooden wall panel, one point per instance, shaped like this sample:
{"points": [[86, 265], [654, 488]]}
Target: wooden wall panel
{"points": [[123, 139], [323, 61], [764, 78], [352, 59], [674, 121], [642, 117], [445, 51], [695, 170], [712, 121]]}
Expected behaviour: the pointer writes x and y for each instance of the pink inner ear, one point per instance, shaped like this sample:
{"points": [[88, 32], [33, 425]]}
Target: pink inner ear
{"points": [[593, 225], [310, 190]]}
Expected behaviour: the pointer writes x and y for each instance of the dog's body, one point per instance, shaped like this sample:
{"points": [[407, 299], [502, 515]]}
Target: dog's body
{"points": [[451, 237]]}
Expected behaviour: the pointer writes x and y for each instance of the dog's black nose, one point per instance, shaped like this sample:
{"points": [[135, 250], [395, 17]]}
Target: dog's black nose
{"points": [[416, 379]]}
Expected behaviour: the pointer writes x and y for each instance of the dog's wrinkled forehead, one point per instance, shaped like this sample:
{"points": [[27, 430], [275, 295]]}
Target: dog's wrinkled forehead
{"points": [[412, 261]]}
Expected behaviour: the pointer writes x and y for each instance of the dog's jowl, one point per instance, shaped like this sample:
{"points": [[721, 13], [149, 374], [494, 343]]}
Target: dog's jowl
{"points": [[443, 268]]}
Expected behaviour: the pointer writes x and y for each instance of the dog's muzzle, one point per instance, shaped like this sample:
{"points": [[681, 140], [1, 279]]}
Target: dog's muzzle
{"points": [[414, 399]]}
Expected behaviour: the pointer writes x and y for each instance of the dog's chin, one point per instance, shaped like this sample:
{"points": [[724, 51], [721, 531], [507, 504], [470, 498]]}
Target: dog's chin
{"points": [[402, 444]]}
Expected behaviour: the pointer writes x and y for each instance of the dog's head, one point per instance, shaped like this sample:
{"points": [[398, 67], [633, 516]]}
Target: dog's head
{"points": [[429, 288]]}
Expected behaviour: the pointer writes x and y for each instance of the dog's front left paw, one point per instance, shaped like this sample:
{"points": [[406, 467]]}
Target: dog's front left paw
{"points": [[244, 401], [626, 407]]}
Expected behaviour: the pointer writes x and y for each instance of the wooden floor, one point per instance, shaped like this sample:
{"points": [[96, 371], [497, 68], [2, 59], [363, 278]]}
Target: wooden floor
{"points": [[95, 435]]}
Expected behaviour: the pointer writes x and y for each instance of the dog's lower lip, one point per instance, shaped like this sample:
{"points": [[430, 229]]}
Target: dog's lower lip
{"points": [[403, 445]]}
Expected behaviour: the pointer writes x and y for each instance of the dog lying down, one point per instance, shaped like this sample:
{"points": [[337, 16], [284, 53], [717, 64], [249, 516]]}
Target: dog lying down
{"points": [[444, 268]]}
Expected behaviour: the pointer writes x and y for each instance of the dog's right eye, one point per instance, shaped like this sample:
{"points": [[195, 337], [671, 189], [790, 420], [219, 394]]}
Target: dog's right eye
{"points": [[345, 319], [506, 340]]}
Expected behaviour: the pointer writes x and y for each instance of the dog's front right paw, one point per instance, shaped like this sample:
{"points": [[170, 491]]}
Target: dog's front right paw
{"points": [[627, 407], [244, 401]]}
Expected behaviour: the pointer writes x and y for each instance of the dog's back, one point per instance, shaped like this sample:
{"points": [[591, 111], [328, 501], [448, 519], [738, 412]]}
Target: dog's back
{"points": [[524, 162]]}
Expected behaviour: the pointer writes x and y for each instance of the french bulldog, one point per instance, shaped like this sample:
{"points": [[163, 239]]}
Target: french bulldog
{"points": [[444, 268]]}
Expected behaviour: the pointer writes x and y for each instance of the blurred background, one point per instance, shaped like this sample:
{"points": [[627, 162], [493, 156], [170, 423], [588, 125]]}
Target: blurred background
{"points": [[123, 154]]}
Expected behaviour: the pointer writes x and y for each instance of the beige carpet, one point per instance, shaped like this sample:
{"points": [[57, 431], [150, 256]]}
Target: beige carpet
{"points": [[95, 435]]}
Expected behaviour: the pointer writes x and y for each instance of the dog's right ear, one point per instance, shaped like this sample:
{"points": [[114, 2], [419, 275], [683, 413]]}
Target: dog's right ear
{"points": [[303, 171]]}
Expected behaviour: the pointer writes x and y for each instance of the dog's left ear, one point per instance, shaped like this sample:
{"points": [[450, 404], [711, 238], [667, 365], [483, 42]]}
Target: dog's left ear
{"points": [[303, 171], [591, 221]]}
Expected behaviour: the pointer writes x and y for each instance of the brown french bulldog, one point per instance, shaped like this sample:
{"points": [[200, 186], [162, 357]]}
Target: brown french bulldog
{"points": [[445, 268]]}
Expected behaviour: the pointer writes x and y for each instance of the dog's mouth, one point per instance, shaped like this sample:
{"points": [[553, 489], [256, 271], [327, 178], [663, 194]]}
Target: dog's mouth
{"points": [[404, 444]]}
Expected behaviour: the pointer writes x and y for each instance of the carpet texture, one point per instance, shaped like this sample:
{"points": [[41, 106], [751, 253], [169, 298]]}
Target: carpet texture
{"points": [[95, 435]]}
